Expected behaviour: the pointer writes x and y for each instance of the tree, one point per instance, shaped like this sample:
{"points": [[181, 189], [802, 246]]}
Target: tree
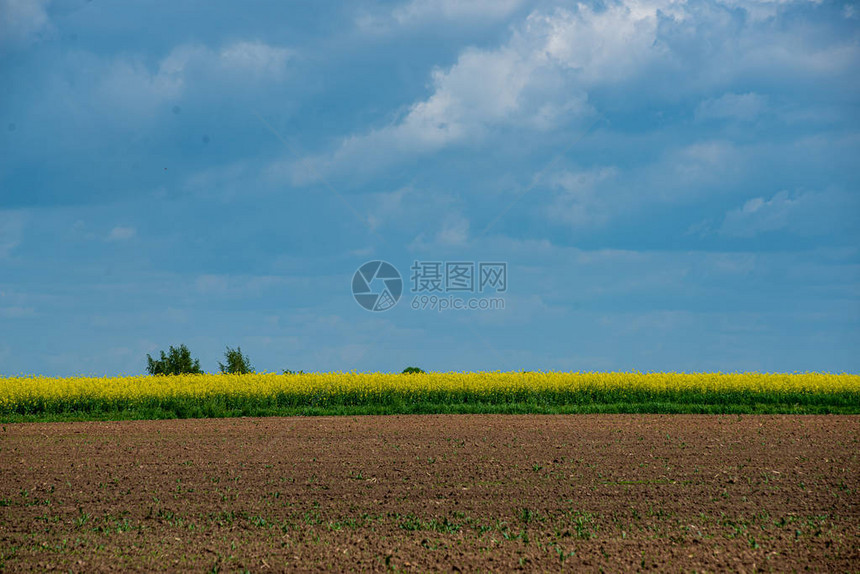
{"points": [[237, 363], [177, 361], [412, 370]]}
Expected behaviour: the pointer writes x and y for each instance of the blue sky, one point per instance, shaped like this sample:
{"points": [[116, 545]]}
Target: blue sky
{"points": [[669, 182]]}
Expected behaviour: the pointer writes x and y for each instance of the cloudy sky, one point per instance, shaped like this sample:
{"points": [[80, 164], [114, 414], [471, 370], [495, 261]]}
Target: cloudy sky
{"points": [[669, 182]]}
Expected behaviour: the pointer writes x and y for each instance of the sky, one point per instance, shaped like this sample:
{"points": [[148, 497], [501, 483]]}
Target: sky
{"points": [[669, 183]]}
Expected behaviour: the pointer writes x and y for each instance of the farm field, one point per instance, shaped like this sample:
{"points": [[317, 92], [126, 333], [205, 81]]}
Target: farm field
{"points": [[428, 492], [32, 399]]}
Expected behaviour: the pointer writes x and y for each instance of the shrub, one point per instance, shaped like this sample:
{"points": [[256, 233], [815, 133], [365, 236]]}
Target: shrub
{"points": [[176, 362], [237, 363], [412, 370]]}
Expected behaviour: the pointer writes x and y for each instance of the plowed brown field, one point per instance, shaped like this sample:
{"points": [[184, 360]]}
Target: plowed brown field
{"points": [[488, 492]]}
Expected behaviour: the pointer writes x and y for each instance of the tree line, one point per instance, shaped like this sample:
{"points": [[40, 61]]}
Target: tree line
{"points": [[178, 361]]}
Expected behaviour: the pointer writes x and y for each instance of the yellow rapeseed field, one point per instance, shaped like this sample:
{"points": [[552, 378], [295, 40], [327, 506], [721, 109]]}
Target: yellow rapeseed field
{"points": [[358, 388]]}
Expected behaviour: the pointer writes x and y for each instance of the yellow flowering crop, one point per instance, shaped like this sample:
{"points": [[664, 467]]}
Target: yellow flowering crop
{"points": [[32, 395]]}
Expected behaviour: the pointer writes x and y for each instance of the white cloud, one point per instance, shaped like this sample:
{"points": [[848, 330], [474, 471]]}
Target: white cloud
{"points": [[541, 77], [239, 58], [419, 12], [580, 201], [255, 57], [12, 224], [705, 163], [599, 46], [732, 263], [520, 85], [454, 9], [741, 107], [121, 233], [803, 213], [763, 9], [389, 206], [446, 231], [594, 196], [127, 84], [212, 284], [22, 22], [16, 312], [238, 285], [455, 230], [409, 209], [224, 182]]}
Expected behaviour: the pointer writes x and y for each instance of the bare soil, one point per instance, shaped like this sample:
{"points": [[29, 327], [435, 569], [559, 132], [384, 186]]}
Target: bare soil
{"points": [[435, 492]]}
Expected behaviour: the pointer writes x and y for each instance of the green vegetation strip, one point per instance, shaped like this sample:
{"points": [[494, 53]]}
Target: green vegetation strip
{"points": [[296, 404]]}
